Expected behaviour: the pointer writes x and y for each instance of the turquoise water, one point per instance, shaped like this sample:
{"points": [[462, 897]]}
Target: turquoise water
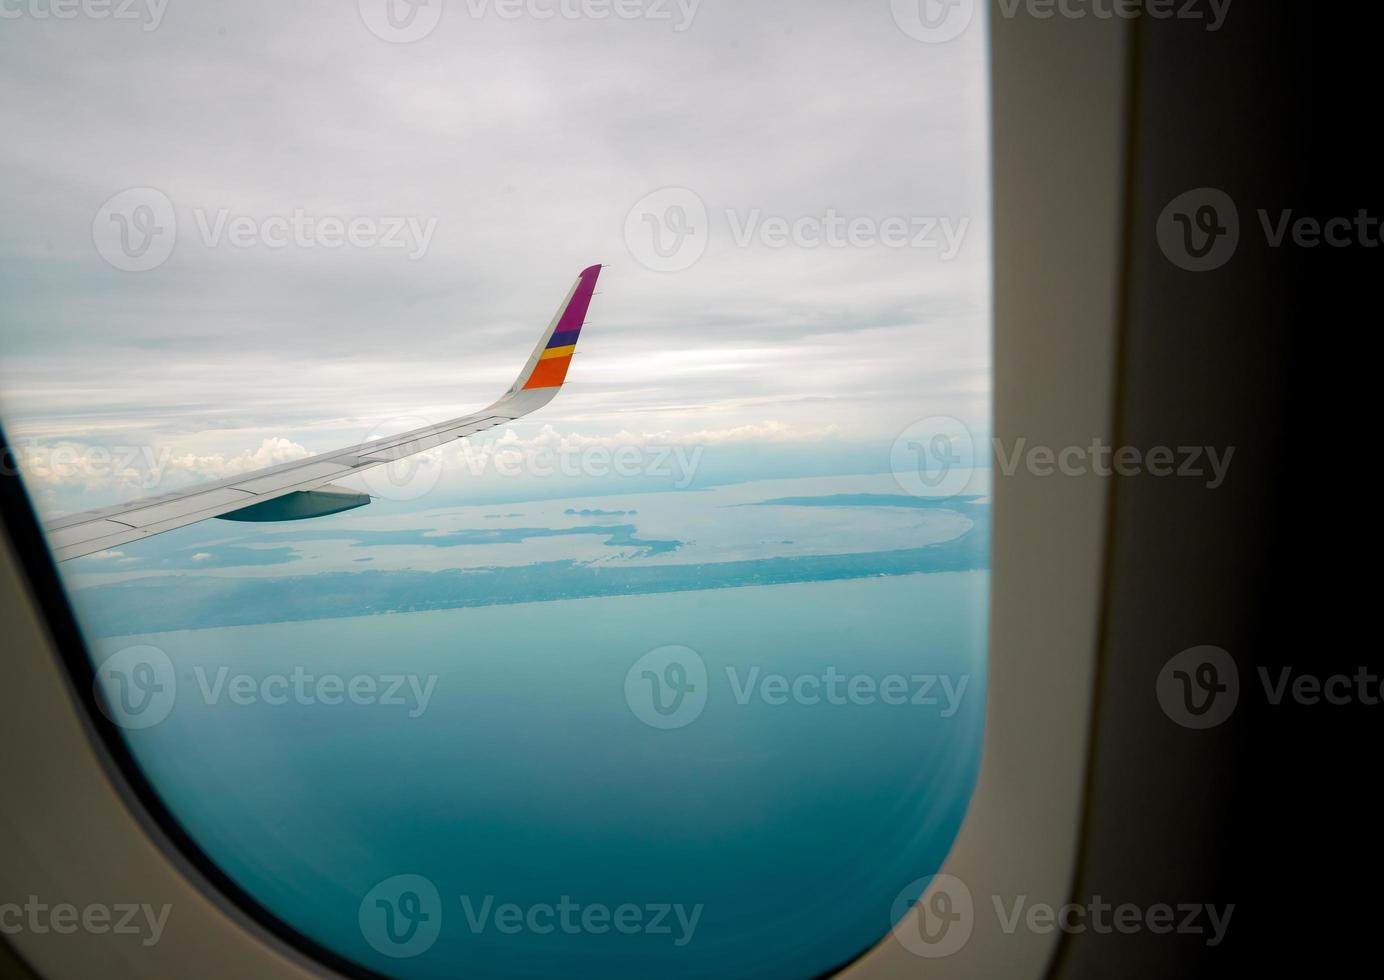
{"points": [[528, 779]]}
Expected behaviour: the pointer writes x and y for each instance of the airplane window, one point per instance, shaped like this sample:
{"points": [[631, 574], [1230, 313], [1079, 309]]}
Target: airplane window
{"points": [[520, 468]]}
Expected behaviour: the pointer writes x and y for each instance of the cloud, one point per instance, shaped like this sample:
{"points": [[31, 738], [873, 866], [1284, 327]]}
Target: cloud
{"points": [[788, 108], [271, 452], [140, 470]]}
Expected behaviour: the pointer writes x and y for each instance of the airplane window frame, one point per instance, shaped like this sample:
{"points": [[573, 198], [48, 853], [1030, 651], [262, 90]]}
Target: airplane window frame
{"points": [[1058, 145]]}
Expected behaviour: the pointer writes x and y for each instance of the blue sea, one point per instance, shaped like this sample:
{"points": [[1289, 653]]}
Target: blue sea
{"points": [[717, 781]]}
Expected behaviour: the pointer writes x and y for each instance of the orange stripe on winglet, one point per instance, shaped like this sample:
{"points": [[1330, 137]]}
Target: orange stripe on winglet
{"points": [[550, 373]]}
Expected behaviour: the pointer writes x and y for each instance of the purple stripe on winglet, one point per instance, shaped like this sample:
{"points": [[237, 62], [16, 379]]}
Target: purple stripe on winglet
{"points": [[569, 327]]}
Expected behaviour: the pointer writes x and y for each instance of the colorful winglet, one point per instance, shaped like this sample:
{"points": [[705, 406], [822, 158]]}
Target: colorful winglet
{"points": [[553, 356]]}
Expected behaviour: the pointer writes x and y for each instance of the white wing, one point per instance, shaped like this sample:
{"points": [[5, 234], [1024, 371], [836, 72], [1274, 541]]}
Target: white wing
{"points": [[298, 490]]}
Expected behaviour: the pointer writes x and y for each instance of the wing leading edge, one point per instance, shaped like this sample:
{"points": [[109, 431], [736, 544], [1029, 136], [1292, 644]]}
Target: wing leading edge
{"points": [[306, 482]]}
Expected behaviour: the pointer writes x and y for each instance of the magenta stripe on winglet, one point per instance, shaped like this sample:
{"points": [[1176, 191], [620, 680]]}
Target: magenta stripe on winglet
{"points": [[569, 327]]}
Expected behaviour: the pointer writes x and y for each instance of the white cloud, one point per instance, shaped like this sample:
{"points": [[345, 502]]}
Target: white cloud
{"points": [[790, 107], [271, 452], [140, 470]]}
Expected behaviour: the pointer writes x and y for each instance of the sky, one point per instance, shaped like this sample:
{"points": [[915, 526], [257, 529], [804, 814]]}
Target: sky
{"points": [[503, 153]]}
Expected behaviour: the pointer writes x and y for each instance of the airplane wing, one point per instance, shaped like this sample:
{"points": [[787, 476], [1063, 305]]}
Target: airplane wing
{"points": [[301, 489]]}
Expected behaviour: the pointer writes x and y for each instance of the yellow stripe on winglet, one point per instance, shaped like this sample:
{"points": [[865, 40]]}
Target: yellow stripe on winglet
{"points": [[552, 352]]}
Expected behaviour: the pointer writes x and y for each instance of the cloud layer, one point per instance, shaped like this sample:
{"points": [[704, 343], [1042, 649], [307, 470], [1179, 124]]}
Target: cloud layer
{"points": [[527, 142]]}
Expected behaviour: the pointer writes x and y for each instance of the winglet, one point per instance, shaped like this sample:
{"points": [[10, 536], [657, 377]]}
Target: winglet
{"points": [[547, 367]]}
